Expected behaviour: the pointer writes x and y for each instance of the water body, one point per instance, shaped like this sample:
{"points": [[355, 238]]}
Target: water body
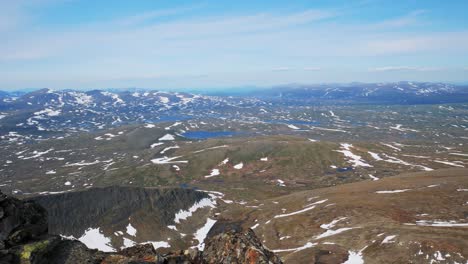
{"points": [[200, 135], [344, 169]]}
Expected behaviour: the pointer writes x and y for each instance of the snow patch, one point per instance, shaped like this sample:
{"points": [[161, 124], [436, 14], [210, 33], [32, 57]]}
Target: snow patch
{"points": [[214, 172], [131, 230], [94, 239], [394, 191], [184, 214], [201, 233], [355, 160], [167, 137]]}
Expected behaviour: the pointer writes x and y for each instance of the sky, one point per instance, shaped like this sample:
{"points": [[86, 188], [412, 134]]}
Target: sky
{"points": [[176, 44]]}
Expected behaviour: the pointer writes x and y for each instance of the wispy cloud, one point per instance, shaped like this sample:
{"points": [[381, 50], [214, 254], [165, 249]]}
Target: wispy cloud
{"points": [[154, 14], [280, 69], [180, 42], [403, 68], [411, 18], [312, 69]]}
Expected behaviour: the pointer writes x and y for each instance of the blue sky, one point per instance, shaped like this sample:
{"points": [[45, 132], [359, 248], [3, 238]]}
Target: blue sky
{"points": [[179, 44]]}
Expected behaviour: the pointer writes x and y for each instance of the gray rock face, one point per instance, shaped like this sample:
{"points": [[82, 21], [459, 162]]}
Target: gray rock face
{"points": [[72, 213]]}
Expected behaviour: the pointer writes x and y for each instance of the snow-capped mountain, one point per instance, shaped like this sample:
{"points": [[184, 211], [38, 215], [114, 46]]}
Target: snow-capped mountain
{"points": [[393, 93]]}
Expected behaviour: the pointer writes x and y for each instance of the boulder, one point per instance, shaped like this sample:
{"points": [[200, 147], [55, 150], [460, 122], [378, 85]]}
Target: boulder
{"points": [[230, 243]]}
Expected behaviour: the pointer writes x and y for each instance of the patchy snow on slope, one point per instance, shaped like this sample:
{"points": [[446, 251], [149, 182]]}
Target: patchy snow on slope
{"points": [[395, 160], [329, 227], [37, 154], [173, 125], [375, 156], [169, 148], [388, 239], [436, 223], [166, 160], [328, 129], [47, 112], [333, 232], [399, 128], [156, 144], [201, 233], [114, 96], [184, 214], [128, 243], [332, 223], [308, 208], [394, 191], [94, 239], [459, 154], [167, 137], [449, 163], [164, 99], [264, 159], [355, 160], [150, 126], [354, 258], [215, 147], [239, 166], [391, 146], [373, 177], [214, 172], [307, 245], [131, 230], [293, 127], [280, 183], [82, 163]]}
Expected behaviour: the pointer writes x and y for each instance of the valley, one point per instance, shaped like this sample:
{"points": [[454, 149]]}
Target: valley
{"points": [[346, 180]]}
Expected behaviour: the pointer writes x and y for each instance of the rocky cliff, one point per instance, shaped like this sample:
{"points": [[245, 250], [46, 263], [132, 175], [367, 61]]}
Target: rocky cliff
{"points": [[24, 238]]}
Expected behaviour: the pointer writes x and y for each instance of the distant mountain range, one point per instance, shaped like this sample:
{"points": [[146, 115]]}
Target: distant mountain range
{"points": [[391, 93], [48, 111]]}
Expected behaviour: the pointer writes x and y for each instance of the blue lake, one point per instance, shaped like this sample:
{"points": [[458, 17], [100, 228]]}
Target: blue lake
{"points": [[207, 134]]}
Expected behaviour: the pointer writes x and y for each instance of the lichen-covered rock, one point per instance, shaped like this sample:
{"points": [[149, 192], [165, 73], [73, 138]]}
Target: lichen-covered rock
{"points": [[229, 243]]}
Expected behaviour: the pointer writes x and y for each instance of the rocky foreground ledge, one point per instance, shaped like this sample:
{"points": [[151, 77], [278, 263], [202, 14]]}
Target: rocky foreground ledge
{"points": [[24, 239]]}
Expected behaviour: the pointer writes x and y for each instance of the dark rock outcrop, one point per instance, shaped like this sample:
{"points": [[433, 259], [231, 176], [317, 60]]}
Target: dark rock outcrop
{"points": [[20, 221], [230, 243], [24, 240]]}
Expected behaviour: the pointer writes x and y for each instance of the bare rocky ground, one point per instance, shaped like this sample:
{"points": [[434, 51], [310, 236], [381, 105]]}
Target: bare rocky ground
{"points": [[410, 218]]}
